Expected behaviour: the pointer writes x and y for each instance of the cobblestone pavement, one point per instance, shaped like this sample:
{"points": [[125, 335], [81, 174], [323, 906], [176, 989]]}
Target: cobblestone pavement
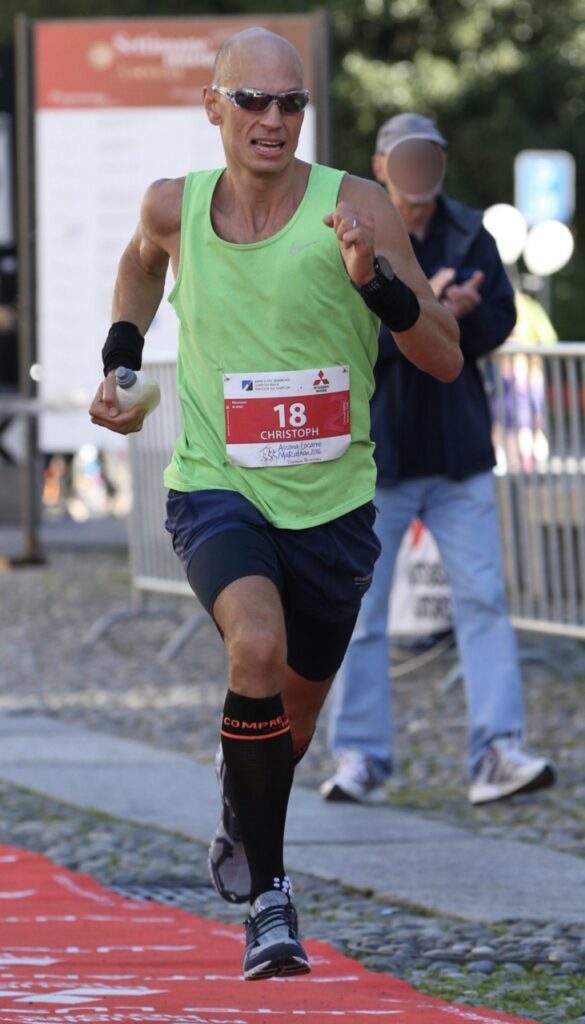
{"points": [[536, 972], [120, 687]]}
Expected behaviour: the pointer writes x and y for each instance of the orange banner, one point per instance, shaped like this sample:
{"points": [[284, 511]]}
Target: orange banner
{"points": [[154, 62]]}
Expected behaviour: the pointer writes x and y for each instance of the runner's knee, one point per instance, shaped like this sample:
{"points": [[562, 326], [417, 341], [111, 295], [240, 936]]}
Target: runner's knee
{"points": [[257, 658]]}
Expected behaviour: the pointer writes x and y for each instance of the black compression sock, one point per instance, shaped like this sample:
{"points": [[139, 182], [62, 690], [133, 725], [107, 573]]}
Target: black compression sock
{"points": [[258, 754]]}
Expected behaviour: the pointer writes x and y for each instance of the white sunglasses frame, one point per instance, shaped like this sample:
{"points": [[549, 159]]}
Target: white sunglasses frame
{"points": [[274, 98]]}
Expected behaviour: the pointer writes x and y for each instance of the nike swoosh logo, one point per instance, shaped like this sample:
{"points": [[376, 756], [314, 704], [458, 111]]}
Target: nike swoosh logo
{"points": [[299, 248]]}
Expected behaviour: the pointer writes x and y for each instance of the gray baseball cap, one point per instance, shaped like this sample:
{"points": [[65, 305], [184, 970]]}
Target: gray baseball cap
{"points": [[407, 126]]}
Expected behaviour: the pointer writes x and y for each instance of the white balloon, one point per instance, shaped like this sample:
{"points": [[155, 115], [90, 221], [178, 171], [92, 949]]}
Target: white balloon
{"points": [[548, 248], [509, 229]]}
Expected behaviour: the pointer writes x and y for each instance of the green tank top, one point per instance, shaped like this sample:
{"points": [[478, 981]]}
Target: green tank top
{"points": [[251, 317]]}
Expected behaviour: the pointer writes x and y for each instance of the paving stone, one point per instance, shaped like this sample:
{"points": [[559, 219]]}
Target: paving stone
{"points": [[482, 966]]}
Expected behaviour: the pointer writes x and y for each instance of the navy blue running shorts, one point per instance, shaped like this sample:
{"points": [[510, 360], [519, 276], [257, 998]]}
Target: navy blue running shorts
{"points": [[321, 572]]}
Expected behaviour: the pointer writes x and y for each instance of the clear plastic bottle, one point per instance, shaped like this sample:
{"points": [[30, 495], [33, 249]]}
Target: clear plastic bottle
{"points": [[134, 387]]}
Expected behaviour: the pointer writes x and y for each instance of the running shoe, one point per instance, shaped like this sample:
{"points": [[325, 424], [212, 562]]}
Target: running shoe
{"points": [[505, 769], [273, 949], [355, 780], [228, 864]]}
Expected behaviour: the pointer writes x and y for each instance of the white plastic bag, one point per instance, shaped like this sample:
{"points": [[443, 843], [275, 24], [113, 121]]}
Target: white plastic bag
{"points": [[420, 603]]}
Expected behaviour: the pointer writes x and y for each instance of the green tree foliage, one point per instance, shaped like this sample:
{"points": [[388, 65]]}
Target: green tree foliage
{"points": [[498, 75]]}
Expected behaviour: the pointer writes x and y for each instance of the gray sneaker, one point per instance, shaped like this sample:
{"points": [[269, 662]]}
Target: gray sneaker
{"points": [[505, 769], [273, 949], [355, 780], [228, 864]]}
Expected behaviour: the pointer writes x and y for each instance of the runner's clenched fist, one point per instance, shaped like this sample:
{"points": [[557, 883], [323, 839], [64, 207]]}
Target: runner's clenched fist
{"points": [[355, 232]]}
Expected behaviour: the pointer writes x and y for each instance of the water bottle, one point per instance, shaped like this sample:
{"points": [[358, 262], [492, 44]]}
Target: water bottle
{"points": [[134, 387]]}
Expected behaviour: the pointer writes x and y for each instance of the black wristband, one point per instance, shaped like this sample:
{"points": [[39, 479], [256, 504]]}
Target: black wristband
{"points": [[391, 299], [123, 347]]}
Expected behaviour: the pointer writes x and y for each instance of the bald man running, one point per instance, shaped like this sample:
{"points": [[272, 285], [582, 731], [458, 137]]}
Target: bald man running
{"points": [[283, 271]]}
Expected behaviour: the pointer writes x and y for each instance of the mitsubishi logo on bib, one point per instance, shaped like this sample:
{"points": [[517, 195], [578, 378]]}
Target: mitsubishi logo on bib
{"points": [[287, 417], [321, 383]]}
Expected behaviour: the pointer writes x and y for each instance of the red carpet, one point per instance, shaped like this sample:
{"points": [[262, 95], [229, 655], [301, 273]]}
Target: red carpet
{"points": [[72, 952]]}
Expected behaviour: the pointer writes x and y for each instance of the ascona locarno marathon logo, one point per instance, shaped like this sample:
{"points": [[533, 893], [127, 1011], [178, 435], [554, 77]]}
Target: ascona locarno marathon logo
{"points": [[172, 51], [101, 56]]}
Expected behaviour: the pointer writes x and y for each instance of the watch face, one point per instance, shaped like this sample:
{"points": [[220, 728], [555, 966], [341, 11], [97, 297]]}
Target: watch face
{"points": [[385, 267]]}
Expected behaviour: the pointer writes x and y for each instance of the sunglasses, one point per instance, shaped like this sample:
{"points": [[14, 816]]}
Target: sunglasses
{"points": [[256, 101]]}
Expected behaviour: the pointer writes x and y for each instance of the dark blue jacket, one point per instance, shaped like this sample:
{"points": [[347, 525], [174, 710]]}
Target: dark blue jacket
{"points": [[409, 405]]}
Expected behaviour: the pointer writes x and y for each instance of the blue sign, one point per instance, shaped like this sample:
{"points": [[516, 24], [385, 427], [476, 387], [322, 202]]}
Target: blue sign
{"points": [[544, 183]]}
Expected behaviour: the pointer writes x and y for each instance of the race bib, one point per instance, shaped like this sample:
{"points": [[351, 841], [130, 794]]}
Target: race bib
{"points": [[286, 417]]}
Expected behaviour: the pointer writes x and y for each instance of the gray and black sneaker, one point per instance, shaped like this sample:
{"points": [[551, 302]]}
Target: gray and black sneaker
{"points": [[355, 780], [506, 769], [273, 949], [228, 864]]}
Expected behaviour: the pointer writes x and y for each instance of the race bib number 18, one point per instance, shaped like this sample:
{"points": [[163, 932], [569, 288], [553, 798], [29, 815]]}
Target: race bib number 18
{"points": [[286, 417]]}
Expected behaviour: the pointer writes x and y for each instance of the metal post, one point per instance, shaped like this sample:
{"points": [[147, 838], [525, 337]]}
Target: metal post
{"points": [[27, 318], [322, 79]]}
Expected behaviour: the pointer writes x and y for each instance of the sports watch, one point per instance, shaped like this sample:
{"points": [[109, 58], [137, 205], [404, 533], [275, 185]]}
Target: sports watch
{"points": [[383, 275]]}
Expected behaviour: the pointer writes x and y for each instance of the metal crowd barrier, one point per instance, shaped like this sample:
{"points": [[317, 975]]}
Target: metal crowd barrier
{"points": [[537, 395], [154, 567], [538, 403]]}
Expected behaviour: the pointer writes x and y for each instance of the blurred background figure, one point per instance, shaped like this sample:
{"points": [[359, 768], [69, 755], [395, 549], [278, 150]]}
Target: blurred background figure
{"points": [[435, 457], [86, 484], [521, 441]]}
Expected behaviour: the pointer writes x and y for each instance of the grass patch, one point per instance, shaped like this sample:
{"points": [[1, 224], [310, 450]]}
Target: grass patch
{"points": [[423, 799], [536, 995]]}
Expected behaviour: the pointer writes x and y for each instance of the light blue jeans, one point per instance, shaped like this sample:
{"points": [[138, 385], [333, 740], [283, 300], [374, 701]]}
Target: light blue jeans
{"points": [[463, 519]]}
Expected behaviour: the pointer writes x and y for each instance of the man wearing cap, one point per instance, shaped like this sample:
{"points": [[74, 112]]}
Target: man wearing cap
{"points": [[434, 457]]}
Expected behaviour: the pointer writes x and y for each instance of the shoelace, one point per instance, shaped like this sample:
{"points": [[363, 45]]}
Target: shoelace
{"points": [[268, 918], [499, 760], [355, 765], [513, 756]]}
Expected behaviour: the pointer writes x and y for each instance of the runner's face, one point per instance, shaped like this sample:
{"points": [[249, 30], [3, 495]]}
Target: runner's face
{"points": [[415, 170], [263, 142]]}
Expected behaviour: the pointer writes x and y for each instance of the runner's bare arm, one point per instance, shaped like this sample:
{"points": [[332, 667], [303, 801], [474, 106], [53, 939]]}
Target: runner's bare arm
{"points": [[432, 343], [139, 289], [143, 267]]}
